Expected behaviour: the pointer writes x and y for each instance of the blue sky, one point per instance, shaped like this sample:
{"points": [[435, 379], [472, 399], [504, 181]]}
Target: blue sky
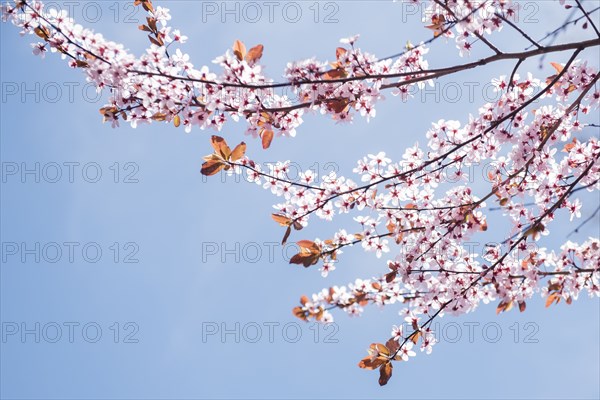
{"points": [[162, 213]]}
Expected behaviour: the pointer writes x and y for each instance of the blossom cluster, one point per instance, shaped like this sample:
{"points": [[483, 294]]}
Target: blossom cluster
{"points": [[536, 156], [469, 20], [404, 210], [164, 85]]}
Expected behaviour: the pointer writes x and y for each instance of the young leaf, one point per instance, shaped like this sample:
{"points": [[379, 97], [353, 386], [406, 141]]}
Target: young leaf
{"points": [[390, 276], [220, 146], [288, 231], [42, 32], [370, 363], [415, 337], [382, 349], [254, 54], [305, 259], [337, 73], [558, 67], [267, 137], [504, 306], [568, 147], [211, 167], [158, 41], [308, 244], [554, 297], [300, 313], [159, 117], [239, 50], [152, 24], [338, 106], [147, 4], [393, 345], [281, 219], [385, 373], [238, 152]]}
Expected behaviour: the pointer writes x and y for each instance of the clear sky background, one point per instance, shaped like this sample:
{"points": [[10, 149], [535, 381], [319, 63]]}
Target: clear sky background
{"points": [[171, 217]]}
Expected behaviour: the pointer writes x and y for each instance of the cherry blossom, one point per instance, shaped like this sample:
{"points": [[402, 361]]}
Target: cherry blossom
{"points": [[403, 211]]}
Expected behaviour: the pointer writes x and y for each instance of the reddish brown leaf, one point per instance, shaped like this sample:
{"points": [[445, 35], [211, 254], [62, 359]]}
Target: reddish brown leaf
{"points": [[393, 345], [385, 373], [300, 313], [437, 24], [147, 4], [557, 67], [390, 276], [319, 315], [309, 245], [211, 167], [152, 24], [288, 231], [504, 306], [238, 152], [220, 146], [415, 337], [108, 111], [281, 219], [159, 117], [554, 287], [337, 73], [500, 307], [391, 227], [568, 147], [239, 50], [42, 32], [254, 54], [381, 349], [266, 136], [306, 259], [554, 297], [338, 106], [371, 363], [157, 41]]}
